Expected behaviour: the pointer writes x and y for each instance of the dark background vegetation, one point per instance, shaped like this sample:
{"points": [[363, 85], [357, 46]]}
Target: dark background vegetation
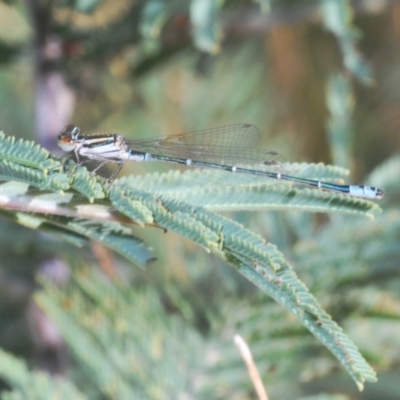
{"points": [[321, 81]]}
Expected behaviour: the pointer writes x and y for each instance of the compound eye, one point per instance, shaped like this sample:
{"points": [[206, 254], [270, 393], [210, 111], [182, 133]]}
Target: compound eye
{"points": [[75, 131], [71, 130]]}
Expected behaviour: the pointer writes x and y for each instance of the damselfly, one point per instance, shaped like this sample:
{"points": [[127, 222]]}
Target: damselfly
{"points": [[226, 148]]}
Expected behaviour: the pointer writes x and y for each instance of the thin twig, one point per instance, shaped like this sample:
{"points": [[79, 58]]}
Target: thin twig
{"points": [[251, 367]]}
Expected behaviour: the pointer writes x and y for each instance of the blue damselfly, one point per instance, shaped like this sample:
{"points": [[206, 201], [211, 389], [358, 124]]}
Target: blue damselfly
{"points": [[226, 148]]}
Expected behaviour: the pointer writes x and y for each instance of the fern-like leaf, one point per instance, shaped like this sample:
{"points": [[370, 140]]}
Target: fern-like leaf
{"points": [[26, 153]]}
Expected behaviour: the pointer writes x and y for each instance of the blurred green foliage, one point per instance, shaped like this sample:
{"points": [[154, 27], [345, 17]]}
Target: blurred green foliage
{"points": [[319, 88]]}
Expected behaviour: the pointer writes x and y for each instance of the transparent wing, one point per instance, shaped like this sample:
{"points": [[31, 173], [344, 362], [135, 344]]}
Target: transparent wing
{"points": [[227, 145]]}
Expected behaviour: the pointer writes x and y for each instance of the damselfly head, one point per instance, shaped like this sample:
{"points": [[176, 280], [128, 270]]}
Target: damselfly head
{"points": [[68, 137]]}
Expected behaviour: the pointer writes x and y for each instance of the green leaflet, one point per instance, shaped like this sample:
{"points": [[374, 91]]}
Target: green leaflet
{"points": [[170, 219], [34, 177], [26, 153], [86, 184]]}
